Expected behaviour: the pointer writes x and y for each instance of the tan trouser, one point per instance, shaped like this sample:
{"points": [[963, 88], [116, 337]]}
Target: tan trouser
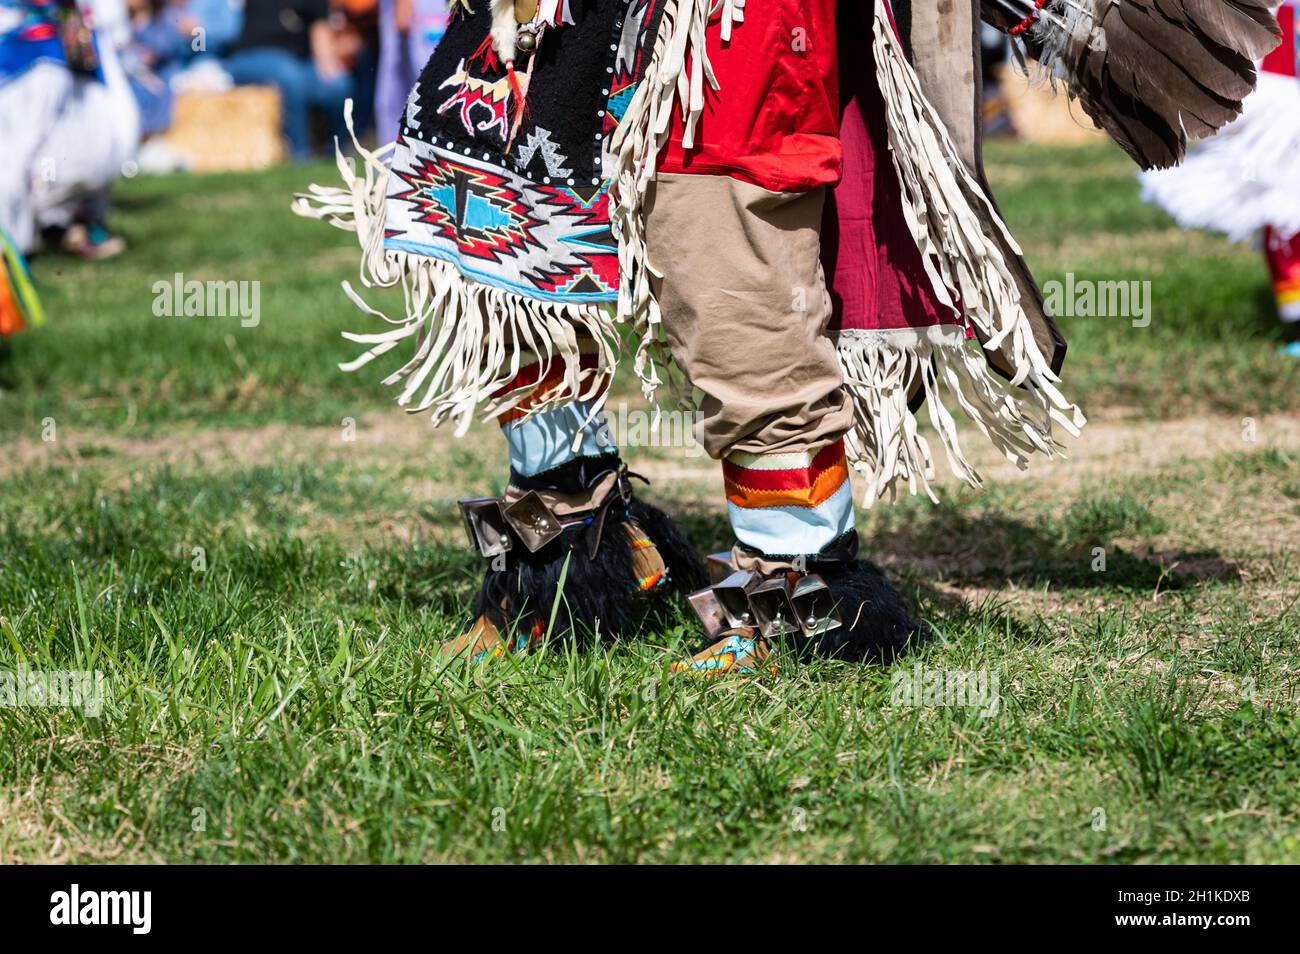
{"points": [[745, 311]]}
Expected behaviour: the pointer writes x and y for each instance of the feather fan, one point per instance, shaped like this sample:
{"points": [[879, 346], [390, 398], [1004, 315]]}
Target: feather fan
{"points": [[1152, 73]]}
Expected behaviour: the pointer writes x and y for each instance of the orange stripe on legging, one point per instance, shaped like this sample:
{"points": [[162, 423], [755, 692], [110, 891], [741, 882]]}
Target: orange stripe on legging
{"points": [[823, 485], [549, 386], [790, 478]]}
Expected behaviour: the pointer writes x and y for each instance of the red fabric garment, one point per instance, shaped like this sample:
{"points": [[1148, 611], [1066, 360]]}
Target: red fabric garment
{"points": [[782, 127], [1282, 61], [775, 121], [873, 268]]}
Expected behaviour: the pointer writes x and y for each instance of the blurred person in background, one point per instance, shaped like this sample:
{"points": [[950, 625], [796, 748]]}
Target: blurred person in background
{"points": [[155, 43], [409, 31], [289, 44], [355, 28], [168, 37], [68, 122]]}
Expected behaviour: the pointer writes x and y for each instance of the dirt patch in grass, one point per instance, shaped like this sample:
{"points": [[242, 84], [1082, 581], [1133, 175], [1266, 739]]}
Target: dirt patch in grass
{"points": [[34, 830], [429, 466], [1108, 446]]}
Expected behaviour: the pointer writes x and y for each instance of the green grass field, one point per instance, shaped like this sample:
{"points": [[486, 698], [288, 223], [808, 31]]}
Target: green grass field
{"points": [[182, 511]]}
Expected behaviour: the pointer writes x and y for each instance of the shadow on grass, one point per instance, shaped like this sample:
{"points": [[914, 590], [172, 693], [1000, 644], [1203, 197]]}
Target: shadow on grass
{"points": [[956, 614], [206, 547], [1098, 543], [1076, 550]]}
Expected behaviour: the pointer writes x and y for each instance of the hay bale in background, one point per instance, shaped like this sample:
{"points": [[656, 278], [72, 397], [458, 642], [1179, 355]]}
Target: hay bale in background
{"points": [[237, 128], [1041, 115]]}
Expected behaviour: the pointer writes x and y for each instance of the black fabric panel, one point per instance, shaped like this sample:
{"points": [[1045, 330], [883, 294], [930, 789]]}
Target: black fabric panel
{"points": [[567, 91]]}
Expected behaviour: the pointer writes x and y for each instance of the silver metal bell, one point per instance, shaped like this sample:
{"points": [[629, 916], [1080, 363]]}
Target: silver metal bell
{"points": [[532, 521], [770, 601], [733, 597], [814, 606], [486, 526]]}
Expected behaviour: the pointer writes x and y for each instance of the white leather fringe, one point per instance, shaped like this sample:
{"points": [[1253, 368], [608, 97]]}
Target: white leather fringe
{"points": [[470, 339]]}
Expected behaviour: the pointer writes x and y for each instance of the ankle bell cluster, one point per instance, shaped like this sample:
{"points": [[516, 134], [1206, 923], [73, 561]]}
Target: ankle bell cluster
{"points": [[775, 605], [782, 601], [533, 519]]}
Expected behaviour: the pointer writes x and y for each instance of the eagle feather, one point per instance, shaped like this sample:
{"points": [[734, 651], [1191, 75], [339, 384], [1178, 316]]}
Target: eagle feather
{"points": [[1152, 73]]}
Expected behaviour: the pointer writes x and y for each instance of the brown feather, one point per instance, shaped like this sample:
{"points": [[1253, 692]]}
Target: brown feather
{"points": [[1246, 26], [1146, 74], [1154, 73], [1228, 73]]}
